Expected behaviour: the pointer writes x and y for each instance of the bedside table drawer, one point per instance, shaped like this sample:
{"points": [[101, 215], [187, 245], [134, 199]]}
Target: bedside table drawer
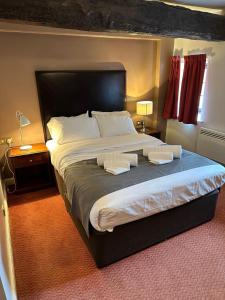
{"points": [[30, 160]]}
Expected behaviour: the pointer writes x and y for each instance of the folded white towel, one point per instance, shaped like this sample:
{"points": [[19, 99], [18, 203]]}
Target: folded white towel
{"points": [[176, 149], [117, 167], [160, 158], [131, 157]]}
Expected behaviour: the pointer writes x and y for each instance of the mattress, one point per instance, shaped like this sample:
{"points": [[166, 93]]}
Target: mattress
{"points": [[108, 202]]}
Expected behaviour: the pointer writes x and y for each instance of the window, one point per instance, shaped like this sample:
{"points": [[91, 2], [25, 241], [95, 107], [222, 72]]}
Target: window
{"points": [[201, 101]]}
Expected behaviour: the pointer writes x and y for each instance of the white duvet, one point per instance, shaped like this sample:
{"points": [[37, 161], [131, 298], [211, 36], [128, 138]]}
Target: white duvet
{"points": [[140, 200], [66, 154]]}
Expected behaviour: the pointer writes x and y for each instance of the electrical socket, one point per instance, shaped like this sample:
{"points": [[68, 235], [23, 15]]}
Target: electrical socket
{"points": [[3, 141], [6, 141]]}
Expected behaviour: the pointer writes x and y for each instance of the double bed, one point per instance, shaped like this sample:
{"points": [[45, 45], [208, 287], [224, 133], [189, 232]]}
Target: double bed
{"points": [[120, 215]]}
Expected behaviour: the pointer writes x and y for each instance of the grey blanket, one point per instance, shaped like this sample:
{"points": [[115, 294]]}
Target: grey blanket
{"points": [[86, 182]]}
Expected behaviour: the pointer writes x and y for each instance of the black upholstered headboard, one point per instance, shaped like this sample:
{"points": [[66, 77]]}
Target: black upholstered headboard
{"points": [[70, 93]]}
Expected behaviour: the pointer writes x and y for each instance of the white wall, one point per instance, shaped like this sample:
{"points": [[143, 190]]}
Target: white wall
{"points": [[214, 102], [7, 279]]}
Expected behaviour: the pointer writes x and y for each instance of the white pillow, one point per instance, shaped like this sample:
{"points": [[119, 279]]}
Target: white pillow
{"points": [[55, 124], [65, 130], [113, 125], [111, 113]]}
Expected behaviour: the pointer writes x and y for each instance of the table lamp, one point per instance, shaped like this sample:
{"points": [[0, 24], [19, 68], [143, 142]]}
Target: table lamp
{"points": [[23, 121], [144, 108]]}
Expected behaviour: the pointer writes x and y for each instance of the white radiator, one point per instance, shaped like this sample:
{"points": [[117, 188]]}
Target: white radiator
{"points": [[211, 143]]}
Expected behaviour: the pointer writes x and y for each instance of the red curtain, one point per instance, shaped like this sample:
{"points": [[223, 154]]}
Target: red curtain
{"points": [[194, 69], [170, 108]]}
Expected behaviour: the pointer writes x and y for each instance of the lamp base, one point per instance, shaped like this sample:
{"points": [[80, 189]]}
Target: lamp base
{"points": [[143, 130], [26, 147]]}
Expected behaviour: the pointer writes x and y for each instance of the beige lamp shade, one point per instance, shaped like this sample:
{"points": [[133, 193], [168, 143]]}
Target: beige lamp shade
{"points": [[144, 108]]}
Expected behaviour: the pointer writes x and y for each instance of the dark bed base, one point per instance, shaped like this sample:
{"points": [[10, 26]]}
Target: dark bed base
{"points": [[127, 239]]}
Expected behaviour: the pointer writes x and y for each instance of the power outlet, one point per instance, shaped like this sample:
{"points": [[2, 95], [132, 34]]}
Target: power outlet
{"points": [[6, 141], [3, 141]]}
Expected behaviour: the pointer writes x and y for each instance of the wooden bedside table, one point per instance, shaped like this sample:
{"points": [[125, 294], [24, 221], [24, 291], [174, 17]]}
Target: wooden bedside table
{"points": [[151, 131], [32, 168]]}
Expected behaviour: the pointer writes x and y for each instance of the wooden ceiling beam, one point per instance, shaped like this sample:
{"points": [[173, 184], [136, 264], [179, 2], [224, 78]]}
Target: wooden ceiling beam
{"points": [[130, 16]]}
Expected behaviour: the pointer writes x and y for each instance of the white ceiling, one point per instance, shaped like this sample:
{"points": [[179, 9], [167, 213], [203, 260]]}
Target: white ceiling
{"points": [[202, 3]]}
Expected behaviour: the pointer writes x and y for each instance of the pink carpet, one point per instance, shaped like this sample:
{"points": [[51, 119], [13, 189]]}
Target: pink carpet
{"points": [[52, 262]]}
